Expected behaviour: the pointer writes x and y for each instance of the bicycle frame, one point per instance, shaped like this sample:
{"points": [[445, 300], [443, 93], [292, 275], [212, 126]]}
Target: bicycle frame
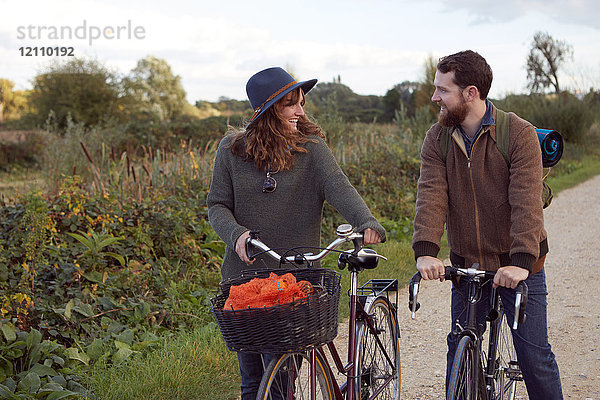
{"points": [[473, 297], [475, 282], [494, 319], [357, 313], [356, 261]]}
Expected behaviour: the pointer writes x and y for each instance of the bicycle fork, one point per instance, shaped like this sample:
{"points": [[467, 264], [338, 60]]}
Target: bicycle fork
{"points": [[352, 335], [495, 319], [492, 367], [357, 312], [474, 296]]}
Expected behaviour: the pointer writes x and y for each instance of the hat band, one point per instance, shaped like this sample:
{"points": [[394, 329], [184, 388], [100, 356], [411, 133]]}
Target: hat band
{"points": [[271, 97]]}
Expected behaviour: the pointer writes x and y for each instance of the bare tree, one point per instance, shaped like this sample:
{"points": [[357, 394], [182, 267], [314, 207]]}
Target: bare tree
{"points": [[545, 58]]}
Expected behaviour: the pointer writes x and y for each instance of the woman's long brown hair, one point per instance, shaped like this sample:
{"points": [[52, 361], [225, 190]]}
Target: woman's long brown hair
{"points": [[269, 142]]}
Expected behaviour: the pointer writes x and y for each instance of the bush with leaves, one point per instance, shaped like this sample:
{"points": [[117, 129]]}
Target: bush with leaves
{"points": [[33, 368], [113, 273], [564, 113]]}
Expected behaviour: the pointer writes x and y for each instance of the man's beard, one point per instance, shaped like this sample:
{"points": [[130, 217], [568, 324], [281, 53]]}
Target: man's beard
{"points": [[454, 117]]}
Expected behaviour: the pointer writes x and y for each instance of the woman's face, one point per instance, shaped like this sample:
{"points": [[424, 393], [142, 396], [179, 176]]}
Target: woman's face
{"points": [[291, 108]]}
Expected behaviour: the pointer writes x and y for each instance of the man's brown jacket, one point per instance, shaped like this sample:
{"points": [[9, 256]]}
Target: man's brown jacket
{"points": [[493, 215]]}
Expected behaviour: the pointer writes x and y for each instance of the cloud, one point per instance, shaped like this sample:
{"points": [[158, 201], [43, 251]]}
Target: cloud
{"points": [[373, 44], [574, 12]]}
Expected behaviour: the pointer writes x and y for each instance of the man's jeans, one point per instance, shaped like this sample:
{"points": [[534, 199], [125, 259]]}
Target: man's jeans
{"points": [[252, 368], [535, 356]]}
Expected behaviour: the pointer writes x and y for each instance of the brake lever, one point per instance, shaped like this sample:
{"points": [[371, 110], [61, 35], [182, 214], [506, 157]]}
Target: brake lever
{"points": [[413, 292], [362, 252], [520, 304]]}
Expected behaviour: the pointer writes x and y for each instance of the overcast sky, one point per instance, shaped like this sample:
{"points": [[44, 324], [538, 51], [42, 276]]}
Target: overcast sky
{"points": [[215, 46]]}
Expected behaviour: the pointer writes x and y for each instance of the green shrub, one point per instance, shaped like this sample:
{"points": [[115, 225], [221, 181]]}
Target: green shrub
{"points": [[112, 273], [564, 113], [34, 368], [375, 159], [169, 135]]}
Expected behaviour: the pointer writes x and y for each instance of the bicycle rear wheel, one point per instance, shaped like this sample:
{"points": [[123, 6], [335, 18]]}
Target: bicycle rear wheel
{"points": [[464, 377], [288, 378], [375, 372], [507, 372]]}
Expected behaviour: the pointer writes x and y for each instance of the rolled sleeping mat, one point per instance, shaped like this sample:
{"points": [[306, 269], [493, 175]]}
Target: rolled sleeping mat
{"points": [[551, 143]]}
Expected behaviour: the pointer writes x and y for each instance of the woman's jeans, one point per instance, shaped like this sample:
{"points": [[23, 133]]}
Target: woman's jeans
{"points": [[535, 356], [252, 368]]}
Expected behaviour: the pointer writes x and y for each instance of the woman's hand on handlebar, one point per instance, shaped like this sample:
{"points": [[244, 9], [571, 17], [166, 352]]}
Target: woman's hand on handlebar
{"points": [[431, 268], [240, 247], [510, 276], [371, 237]]}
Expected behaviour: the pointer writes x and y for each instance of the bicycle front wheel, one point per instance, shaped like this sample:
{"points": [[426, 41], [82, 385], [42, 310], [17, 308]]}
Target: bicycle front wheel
{"points": [[507, 372], [288, 378], [378, 367], [464, 380]]}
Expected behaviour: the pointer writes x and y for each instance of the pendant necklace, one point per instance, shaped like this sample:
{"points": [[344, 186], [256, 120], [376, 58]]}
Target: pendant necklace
{"points": [[270, 184]]}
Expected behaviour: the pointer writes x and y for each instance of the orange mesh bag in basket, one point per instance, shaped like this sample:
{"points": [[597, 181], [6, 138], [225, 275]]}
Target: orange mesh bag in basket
{"points": [[267, 292], [299, 325]]}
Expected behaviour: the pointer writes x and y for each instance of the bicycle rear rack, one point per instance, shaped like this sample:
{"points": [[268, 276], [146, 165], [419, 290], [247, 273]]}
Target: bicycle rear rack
{"points": [[376, 287]]}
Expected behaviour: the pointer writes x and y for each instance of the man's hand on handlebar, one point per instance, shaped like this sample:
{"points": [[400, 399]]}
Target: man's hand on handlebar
{"points": [[510, 276], [371, 237], [240, 247], [431, 268]]}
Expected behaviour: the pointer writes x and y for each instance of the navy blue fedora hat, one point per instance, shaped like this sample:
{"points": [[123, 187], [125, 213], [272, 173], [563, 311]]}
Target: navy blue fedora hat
{"points": [[269, 85]]}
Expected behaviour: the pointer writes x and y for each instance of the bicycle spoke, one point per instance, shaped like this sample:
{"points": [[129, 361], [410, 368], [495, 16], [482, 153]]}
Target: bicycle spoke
{"points": [[508, 372], [464, 375], [289, 379], [376, 375]]}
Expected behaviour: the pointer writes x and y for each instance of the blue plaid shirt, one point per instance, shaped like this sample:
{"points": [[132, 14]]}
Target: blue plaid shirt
{"points": [[487, 120]]}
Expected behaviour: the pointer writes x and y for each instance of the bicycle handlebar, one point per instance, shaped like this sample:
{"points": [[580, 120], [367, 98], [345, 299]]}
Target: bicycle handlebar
{"points": [[453, 272], [345, 234]]}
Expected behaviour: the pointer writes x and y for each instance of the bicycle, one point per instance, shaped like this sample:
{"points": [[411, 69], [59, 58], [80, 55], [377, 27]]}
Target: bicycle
{"points": [[373, 367], [476, 375]]}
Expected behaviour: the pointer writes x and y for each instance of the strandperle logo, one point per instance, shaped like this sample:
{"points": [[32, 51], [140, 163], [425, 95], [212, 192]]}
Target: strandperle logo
{"points": [[84, 31]]}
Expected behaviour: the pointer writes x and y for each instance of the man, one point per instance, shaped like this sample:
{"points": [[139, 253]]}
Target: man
{"points": [[493, 213]]}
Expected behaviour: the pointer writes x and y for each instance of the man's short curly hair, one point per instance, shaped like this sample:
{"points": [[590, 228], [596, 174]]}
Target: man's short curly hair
{"points": [[470, 68]]}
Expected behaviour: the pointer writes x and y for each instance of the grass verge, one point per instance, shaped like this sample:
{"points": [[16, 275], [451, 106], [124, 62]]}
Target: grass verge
{"points": [[587, 167], [194, 365]]}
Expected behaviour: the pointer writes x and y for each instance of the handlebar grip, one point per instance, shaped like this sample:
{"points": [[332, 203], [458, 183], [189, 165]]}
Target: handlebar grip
{"points": [[250, 248], [520, 304], [449, 273]]}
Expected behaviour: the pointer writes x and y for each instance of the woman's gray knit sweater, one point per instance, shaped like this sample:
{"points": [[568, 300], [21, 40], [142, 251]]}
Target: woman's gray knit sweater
{"points": [[288, 217]]}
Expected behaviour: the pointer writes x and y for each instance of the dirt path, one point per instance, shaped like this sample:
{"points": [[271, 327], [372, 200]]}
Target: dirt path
{"points": [[572, 267]]}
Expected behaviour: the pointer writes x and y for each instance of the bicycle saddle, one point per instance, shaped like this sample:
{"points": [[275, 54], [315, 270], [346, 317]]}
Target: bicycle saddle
{"points": [[364, 259]]}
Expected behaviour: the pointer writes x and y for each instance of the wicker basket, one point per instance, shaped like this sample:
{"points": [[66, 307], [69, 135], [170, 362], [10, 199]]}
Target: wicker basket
{"points": [[286, 328]]}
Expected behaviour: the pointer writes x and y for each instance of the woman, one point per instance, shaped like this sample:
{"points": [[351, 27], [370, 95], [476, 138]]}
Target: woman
{"points": [[274, 177]]}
